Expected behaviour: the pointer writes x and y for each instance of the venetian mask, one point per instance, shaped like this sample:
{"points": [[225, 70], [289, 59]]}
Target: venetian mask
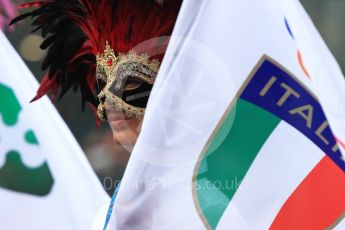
{"points": [[124, 81]]}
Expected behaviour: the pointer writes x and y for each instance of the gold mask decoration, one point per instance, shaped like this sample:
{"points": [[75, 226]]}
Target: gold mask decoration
{"points": [[124, 81]]}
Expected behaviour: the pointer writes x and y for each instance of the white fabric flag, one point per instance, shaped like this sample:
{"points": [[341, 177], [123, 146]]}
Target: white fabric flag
{"points": [[46, 181], [244, 127]]}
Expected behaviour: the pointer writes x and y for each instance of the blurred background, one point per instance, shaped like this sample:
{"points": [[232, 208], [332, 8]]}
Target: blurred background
{"points": [[108, 159]]}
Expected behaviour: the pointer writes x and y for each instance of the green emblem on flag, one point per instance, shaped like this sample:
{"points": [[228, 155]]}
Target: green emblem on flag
{"points": [[14, 174]]}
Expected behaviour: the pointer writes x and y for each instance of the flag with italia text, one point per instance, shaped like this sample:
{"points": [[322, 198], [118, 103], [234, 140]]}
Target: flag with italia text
{"points": [[245, 126], [45, 179]]}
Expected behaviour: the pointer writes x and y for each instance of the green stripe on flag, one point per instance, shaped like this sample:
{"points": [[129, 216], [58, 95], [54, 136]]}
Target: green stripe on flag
{"points": [[229, 156]]}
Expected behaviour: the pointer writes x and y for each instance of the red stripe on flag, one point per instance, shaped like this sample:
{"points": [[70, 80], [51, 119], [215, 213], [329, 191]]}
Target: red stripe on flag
{"points": [[317, 202]]}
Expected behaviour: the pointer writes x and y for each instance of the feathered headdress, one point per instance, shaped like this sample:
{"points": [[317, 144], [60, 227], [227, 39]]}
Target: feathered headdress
{"points": [[75, 31]]}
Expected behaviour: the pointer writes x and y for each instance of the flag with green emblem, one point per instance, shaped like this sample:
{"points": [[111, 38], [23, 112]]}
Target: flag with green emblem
{"points": [[245, 126], [45, 180]]}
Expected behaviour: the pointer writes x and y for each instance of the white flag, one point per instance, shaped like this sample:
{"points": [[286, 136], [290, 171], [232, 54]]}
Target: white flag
{"points": [[45, 179], [244, 128]]}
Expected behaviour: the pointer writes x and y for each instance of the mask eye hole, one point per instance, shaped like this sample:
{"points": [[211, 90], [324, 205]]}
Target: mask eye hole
{"points": [[100, 85], [133, 83], [101, 78]]}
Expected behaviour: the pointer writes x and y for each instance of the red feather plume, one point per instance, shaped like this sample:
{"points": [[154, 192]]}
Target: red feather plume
{"points": [[76, 30]]}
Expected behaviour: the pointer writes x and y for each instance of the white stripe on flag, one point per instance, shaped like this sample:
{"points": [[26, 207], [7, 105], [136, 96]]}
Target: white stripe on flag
{"points": [[281, 165]]}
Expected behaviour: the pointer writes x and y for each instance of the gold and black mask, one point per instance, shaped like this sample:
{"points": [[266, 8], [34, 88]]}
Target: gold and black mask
{"points": [[124, 81]]}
